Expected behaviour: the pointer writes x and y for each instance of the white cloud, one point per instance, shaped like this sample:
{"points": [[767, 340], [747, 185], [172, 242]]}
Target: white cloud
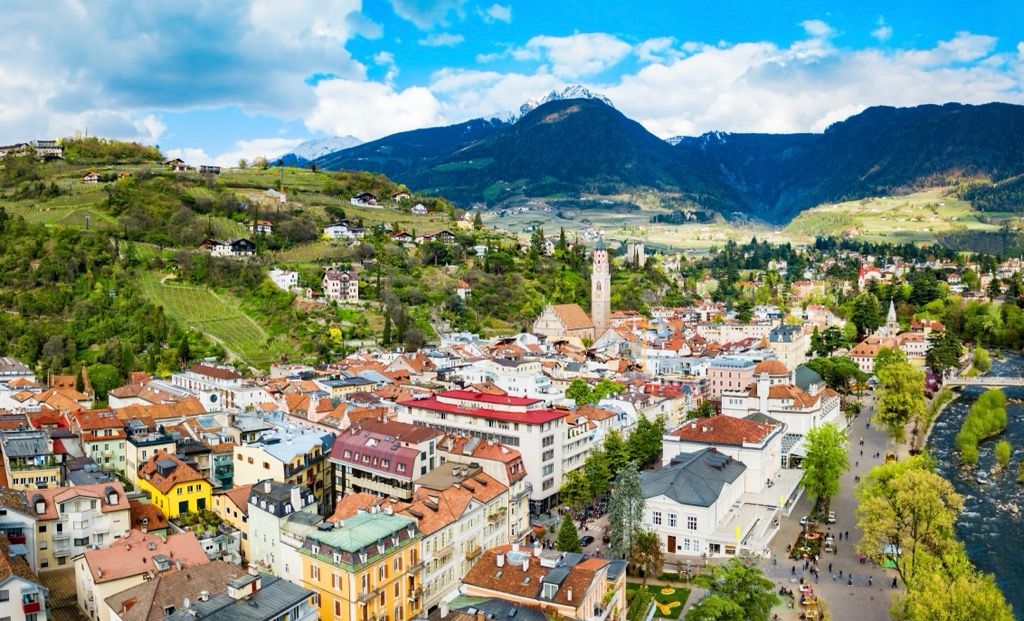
{"points": [[496, 13], [883, 32], [656, 50], [442, 39], [817, 28], [191, 156], [370, 110], [466, 94], [270, 148], [426, 14], [575, 55]]}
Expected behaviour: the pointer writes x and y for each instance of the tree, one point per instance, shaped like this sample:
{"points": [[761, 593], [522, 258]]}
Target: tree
{"points": [[597, 474], [615, 451], [887, 356], [825, 462], [902, 398], [646, 553], [865, 314], [568, 538], [242, 164], [982, 360], [840, 373], [744, 310], [184, 354], [995, 288], [478, 221], [944, 352], [735, 585], [579, 391], [1003, 452], [575, 491], [954, 592], [644, 444], [626, 510], [605, 388], [104, 378], [907, 513], [386, 337], [704, 409]]}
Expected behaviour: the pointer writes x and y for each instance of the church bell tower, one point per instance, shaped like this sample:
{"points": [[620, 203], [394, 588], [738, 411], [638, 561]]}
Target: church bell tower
{"points": [[600, 290]]}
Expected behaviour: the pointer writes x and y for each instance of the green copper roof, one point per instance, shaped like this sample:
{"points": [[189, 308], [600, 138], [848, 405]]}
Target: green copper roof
{"points": [[362, 530], [600, 243]]}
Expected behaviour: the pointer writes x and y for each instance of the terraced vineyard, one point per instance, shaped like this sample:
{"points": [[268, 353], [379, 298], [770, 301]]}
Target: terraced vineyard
{"points": [[206, 312]]}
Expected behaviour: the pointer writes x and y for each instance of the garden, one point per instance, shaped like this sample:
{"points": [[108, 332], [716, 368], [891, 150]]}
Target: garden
{"points": [[668, 599]]}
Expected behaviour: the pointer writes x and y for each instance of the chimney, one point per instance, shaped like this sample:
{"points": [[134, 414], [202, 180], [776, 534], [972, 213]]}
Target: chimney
{"points": [[526, 564], [500, 559], [515, 547], [296, 498], [536, 549], [444, 609], [568, 596], [480, 616]]}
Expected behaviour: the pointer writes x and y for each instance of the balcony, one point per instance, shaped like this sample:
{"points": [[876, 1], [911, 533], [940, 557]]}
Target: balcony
{"points": [[101, 527], [417, 567], [368, 597], [32, 607], [61, 536], [61, 552], [107, 453], [474, 553]]}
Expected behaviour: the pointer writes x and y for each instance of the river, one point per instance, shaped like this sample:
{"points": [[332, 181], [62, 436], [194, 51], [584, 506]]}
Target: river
{"points": [[993, 536]]}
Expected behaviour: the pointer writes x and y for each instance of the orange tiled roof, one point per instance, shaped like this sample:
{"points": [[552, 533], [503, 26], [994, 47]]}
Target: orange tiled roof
{"points": [[572, 316], [183, 473], [133, 555], [52, 497], [723, 429]]}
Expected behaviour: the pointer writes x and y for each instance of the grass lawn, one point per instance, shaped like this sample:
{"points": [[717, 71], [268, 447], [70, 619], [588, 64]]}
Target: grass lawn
{"points": [[669, 600]]}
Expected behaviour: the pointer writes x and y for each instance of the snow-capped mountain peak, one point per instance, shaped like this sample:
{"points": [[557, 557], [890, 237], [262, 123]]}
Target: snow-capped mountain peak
{"points": [[312, 149], [574, 91]]}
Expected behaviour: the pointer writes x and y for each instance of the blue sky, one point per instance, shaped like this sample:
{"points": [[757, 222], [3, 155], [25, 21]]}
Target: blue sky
{"points": [[216, 81]]}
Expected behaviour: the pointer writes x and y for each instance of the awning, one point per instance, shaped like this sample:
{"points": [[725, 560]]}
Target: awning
{"points": [[19, 549], [799, 449]]}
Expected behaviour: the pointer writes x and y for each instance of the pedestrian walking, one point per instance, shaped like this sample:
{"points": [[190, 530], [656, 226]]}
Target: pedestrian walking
{"points": [[869, 580], [830, 568], [840, 574], [894, 584], [775, 560], [792, 571], [849, 581], [833, 577], [840, 535]]}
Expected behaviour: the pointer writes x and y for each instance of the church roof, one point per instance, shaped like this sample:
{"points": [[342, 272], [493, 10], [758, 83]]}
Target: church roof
{"points": [[572, 316]]}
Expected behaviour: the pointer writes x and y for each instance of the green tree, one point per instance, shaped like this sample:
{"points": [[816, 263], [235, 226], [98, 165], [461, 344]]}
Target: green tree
{"points": [[865, 314], [736, 592], [1003, 452], [902, 398], [478, 221], [995, 288], [953, 591], [580, 392], [597, 474], [825, 462], [605, 388], [104, 378], [970, 279], [568, 538], [840, 373], [944, 352], [887, 356], [386, 337], [744, 310], [906, 512], [575, 491], [982, 360], [184, 352], [626, 510], [646, 553], [615, 450], [644, 444]]}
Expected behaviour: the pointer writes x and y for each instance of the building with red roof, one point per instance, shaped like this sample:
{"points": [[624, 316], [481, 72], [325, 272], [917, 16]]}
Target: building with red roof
{"points": [[756, 443]]}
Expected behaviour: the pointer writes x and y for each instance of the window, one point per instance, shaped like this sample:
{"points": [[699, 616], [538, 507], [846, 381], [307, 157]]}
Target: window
{"points": [[250, 460], [336, 581], [42, 528], [672, 520], [42, 545], [383, 599], [191, 489], [398, 588], [656, 517], [691, 523], [84, 541], [168, 611], [314, 572], [266, 465], [385, 464], [365, 582], [5, 596], [348, 454], [548, 455], [239, 456], [548, 483], [401, 467], [382, 571], [546, 470], [337, 607], [398, 564], [547, 441]]}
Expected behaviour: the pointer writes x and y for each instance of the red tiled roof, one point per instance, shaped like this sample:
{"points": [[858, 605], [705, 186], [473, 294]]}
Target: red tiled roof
{"points": [[155, 519], [183, 473], [723, 429], [53, 496], [470, 395], [133, 556], [533, 417], [217, 372]]}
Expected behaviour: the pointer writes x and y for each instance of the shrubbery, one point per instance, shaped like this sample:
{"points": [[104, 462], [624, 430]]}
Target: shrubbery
{"points": [[986, 419]]}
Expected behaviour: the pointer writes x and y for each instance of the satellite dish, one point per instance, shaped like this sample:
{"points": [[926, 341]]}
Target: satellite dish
{"points": [[188, 604]]}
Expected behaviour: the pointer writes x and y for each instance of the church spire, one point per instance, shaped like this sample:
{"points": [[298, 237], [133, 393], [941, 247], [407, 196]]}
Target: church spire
{"points": [[891, 317]]}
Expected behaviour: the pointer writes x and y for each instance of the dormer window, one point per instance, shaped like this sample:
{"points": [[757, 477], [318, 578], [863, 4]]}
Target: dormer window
{"points": [[315, 549]]}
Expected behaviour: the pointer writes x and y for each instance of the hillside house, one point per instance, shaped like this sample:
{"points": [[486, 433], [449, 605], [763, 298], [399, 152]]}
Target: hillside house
{"points": [[91, 177], [364, 199], [343, 229], [261, 227], [176, 165], [419, 209], [341, 286]]}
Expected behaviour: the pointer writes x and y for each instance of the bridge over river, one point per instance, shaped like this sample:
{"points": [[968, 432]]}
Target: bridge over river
{"points": [[956, 382]]}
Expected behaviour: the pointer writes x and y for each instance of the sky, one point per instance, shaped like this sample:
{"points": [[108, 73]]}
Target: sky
{"points": [[222, 80]]}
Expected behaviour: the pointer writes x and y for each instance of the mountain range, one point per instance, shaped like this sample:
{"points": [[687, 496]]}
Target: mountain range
{"points": [[302, 155], [575, 142]]}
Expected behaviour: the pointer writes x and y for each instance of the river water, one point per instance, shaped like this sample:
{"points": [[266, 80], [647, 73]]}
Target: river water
{"points": [[992, 534]]}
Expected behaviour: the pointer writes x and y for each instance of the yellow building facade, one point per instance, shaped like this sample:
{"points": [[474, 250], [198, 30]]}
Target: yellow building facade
{"points": [[174, 486], [366, 568]]}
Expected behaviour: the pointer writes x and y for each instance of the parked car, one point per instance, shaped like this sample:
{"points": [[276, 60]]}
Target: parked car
{"points": [[808, 521], [586, 540], [831, 517]]}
